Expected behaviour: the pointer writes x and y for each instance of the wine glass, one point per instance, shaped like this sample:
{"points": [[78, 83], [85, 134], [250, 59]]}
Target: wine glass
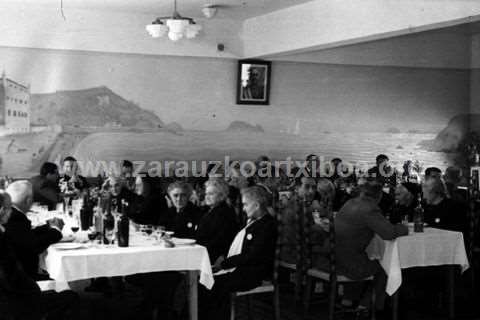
{"points": [[109, 235], [159, 232], [92, 235], [75, 225], [148, 230]]}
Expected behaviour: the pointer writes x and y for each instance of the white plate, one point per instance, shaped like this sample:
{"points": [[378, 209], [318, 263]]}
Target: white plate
{"points": [[183, 241], [67, 246]]}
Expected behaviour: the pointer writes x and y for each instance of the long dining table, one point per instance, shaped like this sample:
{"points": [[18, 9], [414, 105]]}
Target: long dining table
{"points": [[64, 264], [433, 247]]}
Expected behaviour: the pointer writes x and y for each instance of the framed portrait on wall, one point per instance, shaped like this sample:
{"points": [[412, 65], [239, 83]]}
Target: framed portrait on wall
{"points": [[253, 82]]}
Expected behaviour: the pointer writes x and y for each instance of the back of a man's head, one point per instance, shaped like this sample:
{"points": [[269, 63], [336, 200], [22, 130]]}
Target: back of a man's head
{"points": [[371, 189], [48, 168], [21, 193]]}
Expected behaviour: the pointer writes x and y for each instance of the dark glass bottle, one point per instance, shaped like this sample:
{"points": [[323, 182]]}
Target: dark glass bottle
{"points": [[86, 212], [418, 216], [98, 216], [123, 226], [108, 224]]}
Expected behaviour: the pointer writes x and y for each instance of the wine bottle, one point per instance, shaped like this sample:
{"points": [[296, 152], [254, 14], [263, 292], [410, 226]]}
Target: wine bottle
{"points": [[418, 216], [123, 226], [98, 215], [108, 223], [86, 212]]}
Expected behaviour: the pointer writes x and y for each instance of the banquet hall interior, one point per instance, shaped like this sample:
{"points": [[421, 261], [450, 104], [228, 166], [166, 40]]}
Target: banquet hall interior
{"points": [[151, 143]]}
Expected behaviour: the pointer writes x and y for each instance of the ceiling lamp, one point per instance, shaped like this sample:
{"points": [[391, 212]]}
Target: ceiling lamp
{"points": [[209, 11], [175, 26]]}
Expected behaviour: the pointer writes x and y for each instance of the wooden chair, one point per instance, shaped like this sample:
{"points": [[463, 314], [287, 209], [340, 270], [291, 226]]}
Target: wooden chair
{"points": [[473, 249], [266, 286], [332, 278], [297, 268]]}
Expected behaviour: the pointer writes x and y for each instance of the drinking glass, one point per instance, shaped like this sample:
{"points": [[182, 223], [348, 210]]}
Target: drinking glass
{"points": [[110, 236], [92, 235], [159, 232]]}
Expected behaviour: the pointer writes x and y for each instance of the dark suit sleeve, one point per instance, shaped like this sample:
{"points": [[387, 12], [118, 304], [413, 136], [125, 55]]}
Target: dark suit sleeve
{"points": [[219, 243], [32, 240], [380, 225], [48, 193], [261, 246]]}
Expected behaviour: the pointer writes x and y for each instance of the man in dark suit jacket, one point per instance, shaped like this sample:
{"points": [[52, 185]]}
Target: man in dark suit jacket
{"points": [[355, 226], [28, 243], [442, 212], [20, 296], [71, 180], [218, 226], [45, 186], [250, 258], [185, 216]]}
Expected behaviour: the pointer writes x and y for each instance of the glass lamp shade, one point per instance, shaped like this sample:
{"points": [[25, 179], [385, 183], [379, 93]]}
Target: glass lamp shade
{"points": [[192, 30], [177, 25], [175, 36], [156, 30]]}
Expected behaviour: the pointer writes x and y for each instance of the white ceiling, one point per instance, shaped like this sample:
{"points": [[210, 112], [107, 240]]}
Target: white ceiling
{"points": [[231, 9], [440, 48]]}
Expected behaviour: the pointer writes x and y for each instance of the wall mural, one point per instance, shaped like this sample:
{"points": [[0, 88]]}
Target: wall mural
{"points": [[112, 107]]}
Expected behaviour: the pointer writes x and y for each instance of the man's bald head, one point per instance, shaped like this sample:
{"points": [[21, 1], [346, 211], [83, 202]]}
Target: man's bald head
{"points": [[21, 192]]}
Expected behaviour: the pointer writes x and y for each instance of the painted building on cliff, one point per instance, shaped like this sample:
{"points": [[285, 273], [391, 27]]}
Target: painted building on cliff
{"points": [[14, 107]]}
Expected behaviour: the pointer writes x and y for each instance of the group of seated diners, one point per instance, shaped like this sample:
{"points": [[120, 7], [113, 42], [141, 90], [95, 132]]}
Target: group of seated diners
{"points": [[240, 243]]}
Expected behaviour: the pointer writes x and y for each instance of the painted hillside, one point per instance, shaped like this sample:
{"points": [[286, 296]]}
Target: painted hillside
{"points": [[97, 107]]}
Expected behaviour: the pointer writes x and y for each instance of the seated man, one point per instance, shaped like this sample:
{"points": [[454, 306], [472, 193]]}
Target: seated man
{"points": [[250, 258], [185, 215], [217, 228], [442, 212], [45, 186], [127, 175], [72, 182], [355, 226], [433, 173], [20, 296], [306, 188], [406, 199], [28, 243], [383, 172]]}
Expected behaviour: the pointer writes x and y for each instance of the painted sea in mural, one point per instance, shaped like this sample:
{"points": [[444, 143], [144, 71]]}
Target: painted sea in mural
{"points": [[110, 107], [117, 145]]}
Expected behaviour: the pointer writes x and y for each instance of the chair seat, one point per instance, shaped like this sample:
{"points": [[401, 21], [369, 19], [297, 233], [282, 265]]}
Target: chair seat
{"points": [[316, 273], [266, 286], [287, 265]]}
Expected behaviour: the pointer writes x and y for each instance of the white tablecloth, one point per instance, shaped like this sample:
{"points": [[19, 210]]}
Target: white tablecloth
{"points": [[85, 263], [433, 247]]}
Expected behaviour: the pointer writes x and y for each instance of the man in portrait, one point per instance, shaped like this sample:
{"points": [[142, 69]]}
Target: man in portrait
{"points": [[255, 86]]}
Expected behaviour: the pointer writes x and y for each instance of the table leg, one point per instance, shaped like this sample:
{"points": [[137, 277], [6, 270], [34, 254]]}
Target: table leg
{"points": [[451, 292], [395, 304], [192, 276]]}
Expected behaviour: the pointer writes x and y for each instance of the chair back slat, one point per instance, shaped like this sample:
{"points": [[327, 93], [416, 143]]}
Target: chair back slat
{"points": [[332, 242], [278, 210]]}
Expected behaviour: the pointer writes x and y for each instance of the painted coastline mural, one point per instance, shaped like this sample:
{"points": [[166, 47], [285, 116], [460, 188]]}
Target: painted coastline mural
{"points": [[112, 107]]}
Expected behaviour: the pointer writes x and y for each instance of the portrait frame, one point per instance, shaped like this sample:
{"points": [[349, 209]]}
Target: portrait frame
{"points": [[253, 82]]}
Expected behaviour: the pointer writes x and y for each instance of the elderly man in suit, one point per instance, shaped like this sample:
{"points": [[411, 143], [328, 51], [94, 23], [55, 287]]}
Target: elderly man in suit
{"points": [[20, 296], [28, 243], [250, 257]]}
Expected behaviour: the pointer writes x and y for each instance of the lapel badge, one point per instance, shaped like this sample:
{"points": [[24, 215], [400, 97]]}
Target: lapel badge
{"points": [[249, 236]]}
